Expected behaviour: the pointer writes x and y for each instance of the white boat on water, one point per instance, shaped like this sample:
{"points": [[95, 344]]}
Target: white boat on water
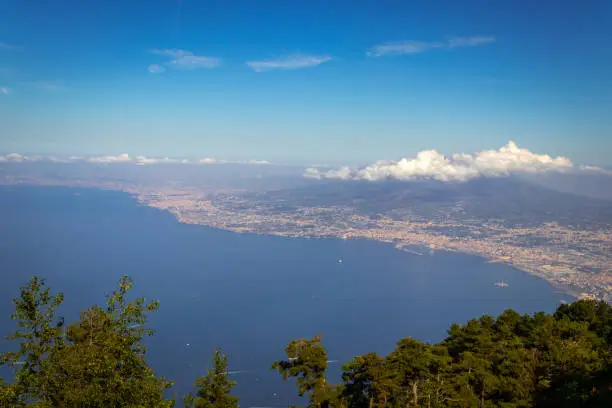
{"points": [[501, 284]]}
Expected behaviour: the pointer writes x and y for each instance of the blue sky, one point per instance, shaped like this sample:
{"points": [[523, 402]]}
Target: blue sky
{"points": [[305, 81]]}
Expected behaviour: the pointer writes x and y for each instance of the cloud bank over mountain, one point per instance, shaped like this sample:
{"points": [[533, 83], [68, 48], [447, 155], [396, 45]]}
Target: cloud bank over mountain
{"points": [[430, 164]]}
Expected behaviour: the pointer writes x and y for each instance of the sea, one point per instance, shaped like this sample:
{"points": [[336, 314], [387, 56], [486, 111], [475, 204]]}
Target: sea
{"points": [[248, 294]]}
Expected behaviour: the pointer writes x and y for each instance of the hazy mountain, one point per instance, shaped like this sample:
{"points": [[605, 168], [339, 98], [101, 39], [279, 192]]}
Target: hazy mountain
{"points": [[590, 185], [515, 200]]}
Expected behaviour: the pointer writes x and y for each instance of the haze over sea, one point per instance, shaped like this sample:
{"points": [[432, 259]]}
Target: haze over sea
{"points": [[249, 294]]}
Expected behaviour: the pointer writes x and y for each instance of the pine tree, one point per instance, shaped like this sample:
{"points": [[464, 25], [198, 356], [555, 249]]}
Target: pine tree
{"points": [[97, 362], [39, 335], [214, 389], [307, 361], [418, 372], [368, 382], [8, 396]]}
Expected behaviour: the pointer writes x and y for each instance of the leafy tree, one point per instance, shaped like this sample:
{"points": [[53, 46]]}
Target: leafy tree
{"points": [[98, 361], [104, 360], [8, 396], [39, 335], [512, 361], [598, 316], [215, 387], [307, 361], [571, 363], [418, 372], [367, 381]]}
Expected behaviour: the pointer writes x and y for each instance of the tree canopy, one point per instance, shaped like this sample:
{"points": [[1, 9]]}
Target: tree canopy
{"points": [[98, 361], [512, 361], [215, 387], [509, 361]]}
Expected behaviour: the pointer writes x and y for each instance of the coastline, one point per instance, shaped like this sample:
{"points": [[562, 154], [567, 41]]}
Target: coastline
{"points": [[575, 294], [184, 202]]}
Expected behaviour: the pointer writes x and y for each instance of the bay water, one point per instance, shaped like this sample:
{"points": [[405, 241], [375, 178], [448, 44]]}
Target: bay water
{"points": [[248, 294]]}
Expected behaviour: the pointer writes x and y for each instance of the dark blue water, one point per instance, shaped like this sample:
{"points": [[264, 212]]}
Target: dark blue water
{"points": [[249, 294]]}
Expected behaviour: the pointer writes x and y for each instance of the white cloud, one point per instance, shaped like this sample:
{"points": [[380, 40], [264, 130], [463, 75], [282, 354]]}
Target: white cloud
{"points": [[415, 47], [403, 47], [156, 69], [126, 159], [145, 160], [14, 157], [289, 62], [430, 164], [194, 62], [183, 59], [122, 158], [208, 160], [257, 162], [154, 160], [4, 90], [58, 159], [475, 41], [595, 169]]}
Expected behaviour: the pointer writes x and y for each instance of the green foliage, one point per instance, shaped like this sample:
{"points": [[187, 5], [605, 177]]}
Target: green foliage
{"points": [[598, 316], [307, 362], [39, 334], [99, 361], [418, 372], [8, 396], [368, 383], [512, 361], [215, 387]]}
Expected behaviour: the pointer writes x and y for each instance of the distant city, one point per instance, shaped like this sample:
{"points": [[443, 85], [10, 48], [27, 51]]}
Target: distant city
{"points": [[568, 243], [576, 260]]}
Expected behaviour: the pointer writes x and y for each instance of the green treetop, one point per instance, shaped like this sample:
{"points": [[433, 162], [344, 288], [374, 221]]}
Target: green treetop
{"points": [[215, 387], [99, 361]]}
